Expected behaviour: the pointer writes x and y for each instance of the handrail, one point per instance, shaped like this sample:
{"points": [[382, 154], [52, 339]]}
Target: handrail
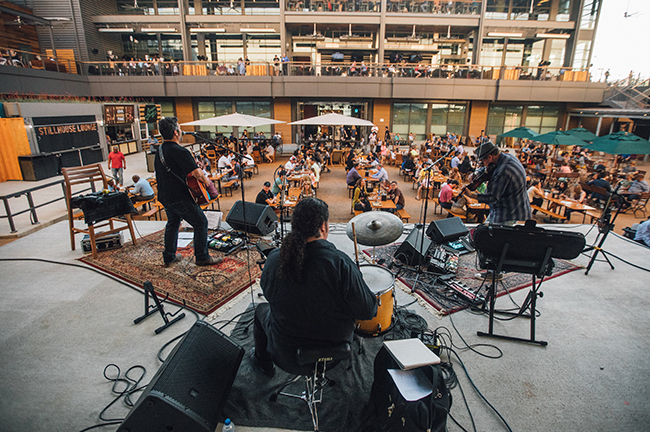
{"points": [[30, 200]]}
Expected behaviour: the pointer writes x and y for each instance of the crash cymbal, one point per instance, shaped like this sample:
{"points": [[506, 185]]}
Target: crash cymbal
{"points": [[375, 228]]}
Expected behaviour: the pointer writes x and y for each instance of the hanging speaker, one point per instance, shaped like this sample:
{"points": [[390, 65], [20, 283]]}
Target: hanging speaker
{"points": [[190, 389], [413, 251], [260, 218]]}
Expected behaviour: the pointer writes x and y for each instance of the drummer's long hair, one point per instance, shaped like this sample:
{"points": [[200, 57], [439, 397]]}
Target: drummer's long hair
{"points": [[308, 217]]}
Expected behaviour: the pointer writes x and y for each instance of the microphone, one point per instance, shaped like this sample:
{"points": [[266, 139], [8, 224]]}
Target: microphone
{"points": [[190, 133]]}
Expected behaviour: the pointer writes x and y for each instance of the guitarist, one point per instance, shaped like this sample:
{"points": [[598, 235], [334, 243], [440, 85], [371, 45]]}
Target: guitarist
{"points": [[174, 194]]}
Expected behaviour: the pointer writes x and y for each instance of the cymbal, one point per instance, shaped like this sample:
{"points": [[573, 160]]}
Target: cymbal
{"points": [[375, 228]]}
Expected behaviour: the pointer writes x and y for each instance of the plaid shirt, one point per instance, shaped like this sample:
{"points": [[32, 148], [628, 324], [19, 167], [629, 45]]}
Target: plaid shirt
{"points": [[506, 191]]}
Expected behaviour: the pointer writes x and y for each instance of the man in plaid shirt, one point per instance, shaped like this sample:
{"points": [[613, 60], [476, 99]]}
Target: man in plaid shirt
{"points": [[506, 190]]}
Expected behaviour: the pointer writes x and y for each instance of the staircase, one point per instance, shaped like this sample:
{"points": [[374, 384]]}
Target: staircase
{"points": [[628, 94]]}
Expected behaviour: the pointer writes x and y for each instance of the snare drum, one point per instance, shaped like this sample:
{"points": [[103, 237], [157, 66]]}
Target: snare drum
{"points": [[382, 282]]}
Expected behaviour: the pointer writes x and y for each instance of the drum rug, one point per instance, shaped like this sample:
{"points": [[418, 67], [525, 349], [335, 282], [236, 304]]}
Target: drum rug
{"points": [[203, 289], [445, 299], [345, 404]]}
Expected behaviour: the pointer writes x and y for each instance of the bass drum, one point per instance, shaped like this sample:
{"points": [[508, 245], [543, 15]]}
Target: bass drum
{"points": [[381, 282]]}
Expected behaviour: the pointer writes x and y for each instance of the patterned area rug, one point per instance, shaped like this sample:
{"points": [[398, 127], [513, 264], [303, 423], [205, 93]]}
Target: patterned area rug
{"points": [[203, 289], [445, 299]]}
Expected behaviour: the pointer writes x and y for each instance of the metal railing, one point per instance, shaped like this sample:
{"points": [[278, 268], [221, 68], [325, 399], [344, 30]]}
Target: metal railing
{"points": [[30, 202], [629, 93], [385, 70]]}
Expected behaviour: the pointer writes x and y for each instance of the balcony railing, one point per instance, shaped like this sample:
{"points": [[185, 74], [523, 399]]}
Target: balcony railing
{"points": [[456, 7], [342, 69]]}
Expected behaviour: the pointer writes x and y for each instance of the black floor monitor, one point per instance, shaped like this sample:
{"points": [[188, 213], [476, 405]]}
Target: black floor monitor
{"points": [[446, 230]]}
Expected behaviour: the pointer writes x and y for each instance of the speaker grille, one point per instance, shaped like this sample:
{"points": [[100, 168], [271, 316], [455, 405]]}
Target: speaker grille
{"points": [[200, 373]]}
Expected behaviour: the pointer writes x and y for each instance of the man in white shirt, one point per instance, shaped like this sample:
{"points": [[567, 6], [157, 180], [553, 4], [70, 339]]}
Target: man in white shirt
{"points": [[290, 165], [312, 164], [224, 162], [455, 161], [142, 190]]}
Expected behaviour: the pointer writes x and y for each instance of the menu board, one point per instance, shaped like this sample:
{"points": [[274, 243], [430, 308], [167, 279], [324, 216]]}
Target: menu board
{"points": [[118, 114]]}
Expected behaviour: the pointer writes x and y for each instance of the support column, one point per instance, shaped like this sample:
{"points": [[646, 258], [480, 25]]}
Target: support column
{"points": [[186, 38], [382, 33], [600, 122], [478, 35]]}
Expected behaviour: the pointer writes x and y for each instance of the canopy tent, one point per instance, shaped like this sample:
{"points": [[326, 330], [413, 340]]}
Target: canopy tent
{"points": [[583, 134], [333, 119], [235, 119], [620, 143], [520, 132]]}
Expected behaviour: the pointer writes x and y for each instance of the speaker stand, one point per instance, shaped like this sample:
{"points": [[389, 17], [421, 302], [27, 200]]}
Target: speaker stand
{"points": [[150, 310]]}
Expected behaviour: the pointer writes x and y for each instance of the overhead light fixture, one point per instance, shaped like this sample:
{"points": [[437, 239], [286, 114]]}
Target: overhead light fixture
{"points": [[499, 34], [56, 18], [257, 30], [116, 30], [207, 30], [157, 30], [553, 35]]}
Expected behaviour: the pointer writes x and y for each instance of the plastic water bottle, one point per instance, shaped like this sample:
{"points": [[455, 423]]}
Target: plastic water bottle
{"points": [[228, 426]]}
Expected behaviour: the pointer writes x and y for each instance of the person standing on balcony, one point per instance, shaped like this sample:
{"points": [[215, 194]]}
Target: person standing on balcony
{"points": [[285, 64]]}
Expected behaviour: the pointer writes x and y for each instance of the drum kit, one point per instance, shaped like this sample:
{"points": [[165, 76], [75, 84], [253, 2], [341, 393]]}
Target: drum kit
{"points": [[376, 229]]}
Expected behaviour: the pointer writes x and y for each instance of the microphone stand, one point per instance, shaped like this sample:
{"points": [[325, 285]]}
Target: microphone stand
{"points": [[241, 157], [282, 198], [424, 218], [605, 226]]}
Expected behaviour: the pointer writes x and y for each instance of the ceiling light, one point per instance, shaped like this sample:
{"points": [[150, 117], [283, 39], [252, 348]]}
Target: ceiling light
{"points": [[553, 35], [157, 30], [116, 29], [207, 30], [499, 34], [257, 30]]}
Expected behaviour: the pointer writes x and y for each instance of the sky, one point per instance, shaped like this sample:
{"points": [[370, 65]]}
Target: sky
{"points": [[621, 42]]}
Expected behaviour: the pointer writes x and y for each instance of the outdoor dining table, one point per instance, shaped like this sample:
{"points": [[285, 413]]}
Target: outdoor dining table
{"points": [[567, 203], [381, 205]]}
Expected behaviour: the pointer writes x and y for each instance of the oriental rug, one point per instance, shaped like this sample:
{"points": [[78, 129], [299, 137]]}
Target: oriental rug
{"points": [[444, 299], [203, 289]]}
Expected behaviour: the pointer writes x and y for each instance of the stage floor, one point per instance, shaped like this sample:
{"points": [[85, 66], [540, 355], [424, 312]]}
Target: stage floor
{"points": [[62, 325]]}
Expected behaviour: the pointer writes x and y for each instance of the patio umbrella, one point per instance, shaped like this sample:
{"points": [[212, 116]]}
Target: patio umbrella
{"points": [[333, 119], [559, 138], [583, 134], [620, 143], [520, 132], [235, 119]]}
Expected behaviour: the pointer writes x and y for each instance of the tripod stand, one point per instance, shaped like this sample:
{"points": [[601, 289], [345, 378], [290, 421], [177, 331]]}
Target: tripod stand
{"points": [[605, 225]]}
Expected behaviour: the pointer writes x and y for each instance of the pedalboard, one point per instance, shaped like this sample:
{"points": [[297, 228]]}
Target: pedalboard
{"points": [[463, 290]]}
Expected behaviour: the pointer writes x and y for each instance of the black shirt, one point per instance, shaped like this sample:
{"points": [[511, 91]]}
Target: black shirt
{"points": [[263, 196], [323, 308], [181, 162]]}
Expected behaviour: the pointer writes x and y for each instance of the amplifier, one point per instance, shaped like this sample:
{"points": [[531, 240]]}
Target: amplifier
{"points": [[112, 241]]}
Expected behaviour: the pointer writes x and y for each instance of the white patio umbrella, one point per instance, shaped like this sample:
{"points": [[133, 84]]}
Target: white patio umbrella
{"points": [[235, 119], [333, 119]]}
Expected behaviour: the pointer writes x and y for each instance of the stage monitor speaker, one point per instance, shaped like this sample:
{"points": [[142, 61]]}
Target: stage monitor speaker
{"points": [[413, 251], [190, 389], [260, 218], [446, 230]]}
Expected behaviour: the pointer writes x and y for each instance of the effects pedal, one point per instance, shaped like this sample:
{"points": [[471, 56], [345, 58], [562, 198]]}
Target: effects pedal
{"points": [[464, 291], [441, 259]]}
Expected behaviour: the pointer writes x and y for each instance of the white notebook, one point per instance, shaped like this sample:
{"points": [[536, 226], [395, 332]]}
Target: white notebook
{"points": [[411, 353]]}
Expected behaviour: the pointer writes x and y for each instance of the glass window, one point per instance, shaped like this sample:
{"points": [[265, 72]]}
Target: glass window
{"points": [[258, 109], [410, 118], [556, 57], [502, 118], [581, 58], [542, 119], [589, 14]]}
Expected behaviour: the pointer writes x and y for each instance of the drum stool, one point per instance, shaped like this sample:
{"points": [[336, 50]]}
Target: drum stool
{"points": [[314, 362]]}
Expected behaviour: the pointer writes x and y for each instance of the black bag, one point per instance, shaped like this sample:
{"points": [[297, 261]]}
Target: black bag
{"points": [[393, 413]]}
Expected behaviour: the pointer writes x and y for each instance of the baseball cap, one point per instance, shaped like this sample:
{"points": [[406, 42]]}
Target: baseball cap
{"points": [[267, 184]]}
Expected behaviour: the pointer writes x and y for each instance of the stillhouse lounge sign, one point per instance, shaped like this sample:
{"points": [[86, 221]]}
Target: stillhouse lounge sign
{"points": [[66, 129]]}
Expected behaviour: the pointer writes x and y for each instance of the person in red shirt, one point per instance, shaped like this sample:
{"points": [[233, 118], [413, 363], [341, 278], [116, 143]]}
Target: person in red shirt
{"points": [[117, 164], [446, 194]]}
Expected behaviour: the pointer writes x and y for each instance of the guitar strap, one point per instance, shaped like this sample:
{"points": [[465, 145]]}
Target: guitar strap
{"points": [[162, 160]]}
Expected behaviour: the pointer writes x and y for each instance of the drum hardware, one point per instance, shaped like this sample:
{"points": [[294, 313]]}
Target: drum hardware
{"points": [[375, 228], [356, 251]]}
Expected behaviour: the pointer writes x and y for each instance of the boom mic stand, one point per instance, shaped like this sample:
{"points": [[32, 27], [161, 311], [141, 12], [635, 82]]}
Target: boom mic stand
{"points": [[604, 226], [279, 171], [424, 218]]}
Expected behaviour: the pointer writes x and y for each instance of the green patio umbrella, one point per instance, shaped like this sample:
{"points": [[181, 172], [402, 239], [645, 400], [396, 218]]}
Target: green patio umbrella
{"points": [[620, 143], [583, 134], [520, 132], [559, 138]]}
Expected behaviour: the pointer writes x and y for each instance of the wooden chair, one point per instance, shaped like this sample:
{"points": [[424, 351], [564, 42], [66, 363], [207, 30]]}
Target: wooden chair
{"points": [[90, 174], [257, 157], [212, 157], [640, 204]]}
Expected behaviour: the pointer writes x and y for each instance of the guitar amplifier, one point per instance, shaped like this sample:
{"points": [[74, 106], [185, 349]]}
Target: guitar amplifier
{"points": [[112, 241]]}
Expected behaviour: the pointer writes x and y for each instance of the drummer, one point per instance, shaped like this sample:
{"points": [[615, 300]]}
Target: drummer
{"points": [[314, 291]]}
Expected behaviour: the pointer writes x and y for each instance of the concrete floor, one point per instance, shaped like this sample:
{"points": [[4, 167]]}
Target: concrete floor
{"points": [[62, 325]]}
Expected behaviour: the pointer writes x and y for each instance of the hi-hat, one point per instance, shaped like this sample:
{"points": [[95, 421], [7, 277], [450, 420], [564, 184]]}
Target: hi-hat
{"points": [[375, 228]]}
